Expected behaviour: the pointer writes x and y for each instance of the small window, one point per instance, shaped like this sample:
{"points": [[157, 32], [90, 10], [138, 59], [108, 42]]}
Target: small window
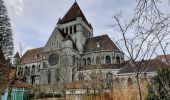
{"points": [[71, 30], [98, 60], [118, 60], [75, 28], [88, 61], [81, 76], [108, 60]]}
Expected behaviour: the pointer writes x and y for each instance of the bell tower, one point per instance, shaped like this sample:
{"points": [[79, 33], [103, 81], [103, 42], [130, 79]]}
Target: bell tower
{"points": [[75, 24]]}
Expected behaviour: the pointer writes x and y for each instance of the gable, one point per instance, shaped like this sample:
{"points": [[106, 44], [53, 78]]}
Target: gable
{"points": [[56, 38]]}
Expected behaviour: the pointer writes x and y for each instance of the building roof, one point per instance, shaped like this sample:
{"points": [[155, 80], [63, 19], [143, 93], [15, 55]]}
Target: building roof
{"points": [[72, 14], [160, 57], [144, 66], [102, 66], [98, 43], [32, 55]]}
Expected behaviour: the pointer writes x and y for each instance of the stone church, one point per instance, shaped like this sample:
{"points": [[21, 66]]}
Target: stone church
{"points": [[72, 53]]}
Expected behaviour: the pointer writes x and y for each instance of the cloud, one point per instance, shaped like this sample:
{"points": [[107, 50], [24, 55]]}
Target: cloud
{"points": [[15, 7]]}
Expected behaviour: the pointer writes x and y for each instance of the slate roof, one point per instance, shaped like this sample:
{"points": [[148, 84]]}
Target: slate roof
{"points": [[32, 55], [145, 66], [160, 57], [72, 14], [104, 42]]}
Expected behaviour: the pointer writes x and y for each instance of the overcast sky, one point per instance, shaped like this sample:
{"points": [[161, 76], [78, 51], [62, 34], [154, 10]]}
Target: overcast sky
{"points": [[34, 20]]}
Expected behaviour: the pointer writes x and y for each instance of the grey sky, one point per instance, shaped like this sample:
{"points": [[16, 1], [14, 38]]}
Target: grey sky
{"points": [[34, 20]]}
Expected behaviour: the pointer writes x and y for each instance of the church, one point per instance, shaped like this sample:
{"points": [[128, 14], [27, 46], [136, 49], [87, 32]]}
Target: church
{"points": [[72, 53]]}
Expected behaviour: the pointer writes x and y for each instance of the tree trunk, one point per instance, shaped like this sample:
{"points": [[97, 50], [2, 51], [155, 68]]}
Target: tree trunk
{"points": [[139, 88]]}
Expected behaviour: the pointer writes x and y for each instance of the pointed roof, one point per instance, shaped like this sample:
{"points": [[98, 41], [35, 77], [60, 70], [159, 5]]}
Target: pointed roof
{"points": [[73, 13], [16, 55], [32, 55]]}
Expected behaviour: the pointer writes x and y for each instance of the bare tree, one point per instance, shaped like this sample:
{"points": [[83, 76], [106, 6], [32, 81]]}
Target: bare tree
{"points": [[65, 69], [143, 34]]}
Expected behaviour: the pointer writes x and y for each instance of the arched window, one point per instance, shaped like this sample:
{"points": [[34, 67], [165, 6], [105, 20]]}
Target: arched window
{"points": [[108, 60], [117, 59], [109, 78], [33, 70], [88, 61], [81, 76], [98, 60], [129, 81], [57, 73], [84, 62], [49, 76]]}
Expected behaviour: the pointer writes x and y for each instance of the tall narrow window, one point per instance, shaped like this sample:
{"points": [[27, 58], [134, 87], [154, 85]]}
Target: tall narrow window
{"points": [[57, 72], [70, 29], [74, 60], [49, 76], [67, 30], [75, 28], [108, 60], [33, 70], [84, 62], [26, 71], [109, 78]]}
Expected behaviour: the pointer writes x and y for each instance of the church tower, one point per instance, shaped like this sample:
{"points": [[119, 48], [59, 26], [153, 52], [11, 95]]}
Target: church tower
{"points": [[75, 24]]}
